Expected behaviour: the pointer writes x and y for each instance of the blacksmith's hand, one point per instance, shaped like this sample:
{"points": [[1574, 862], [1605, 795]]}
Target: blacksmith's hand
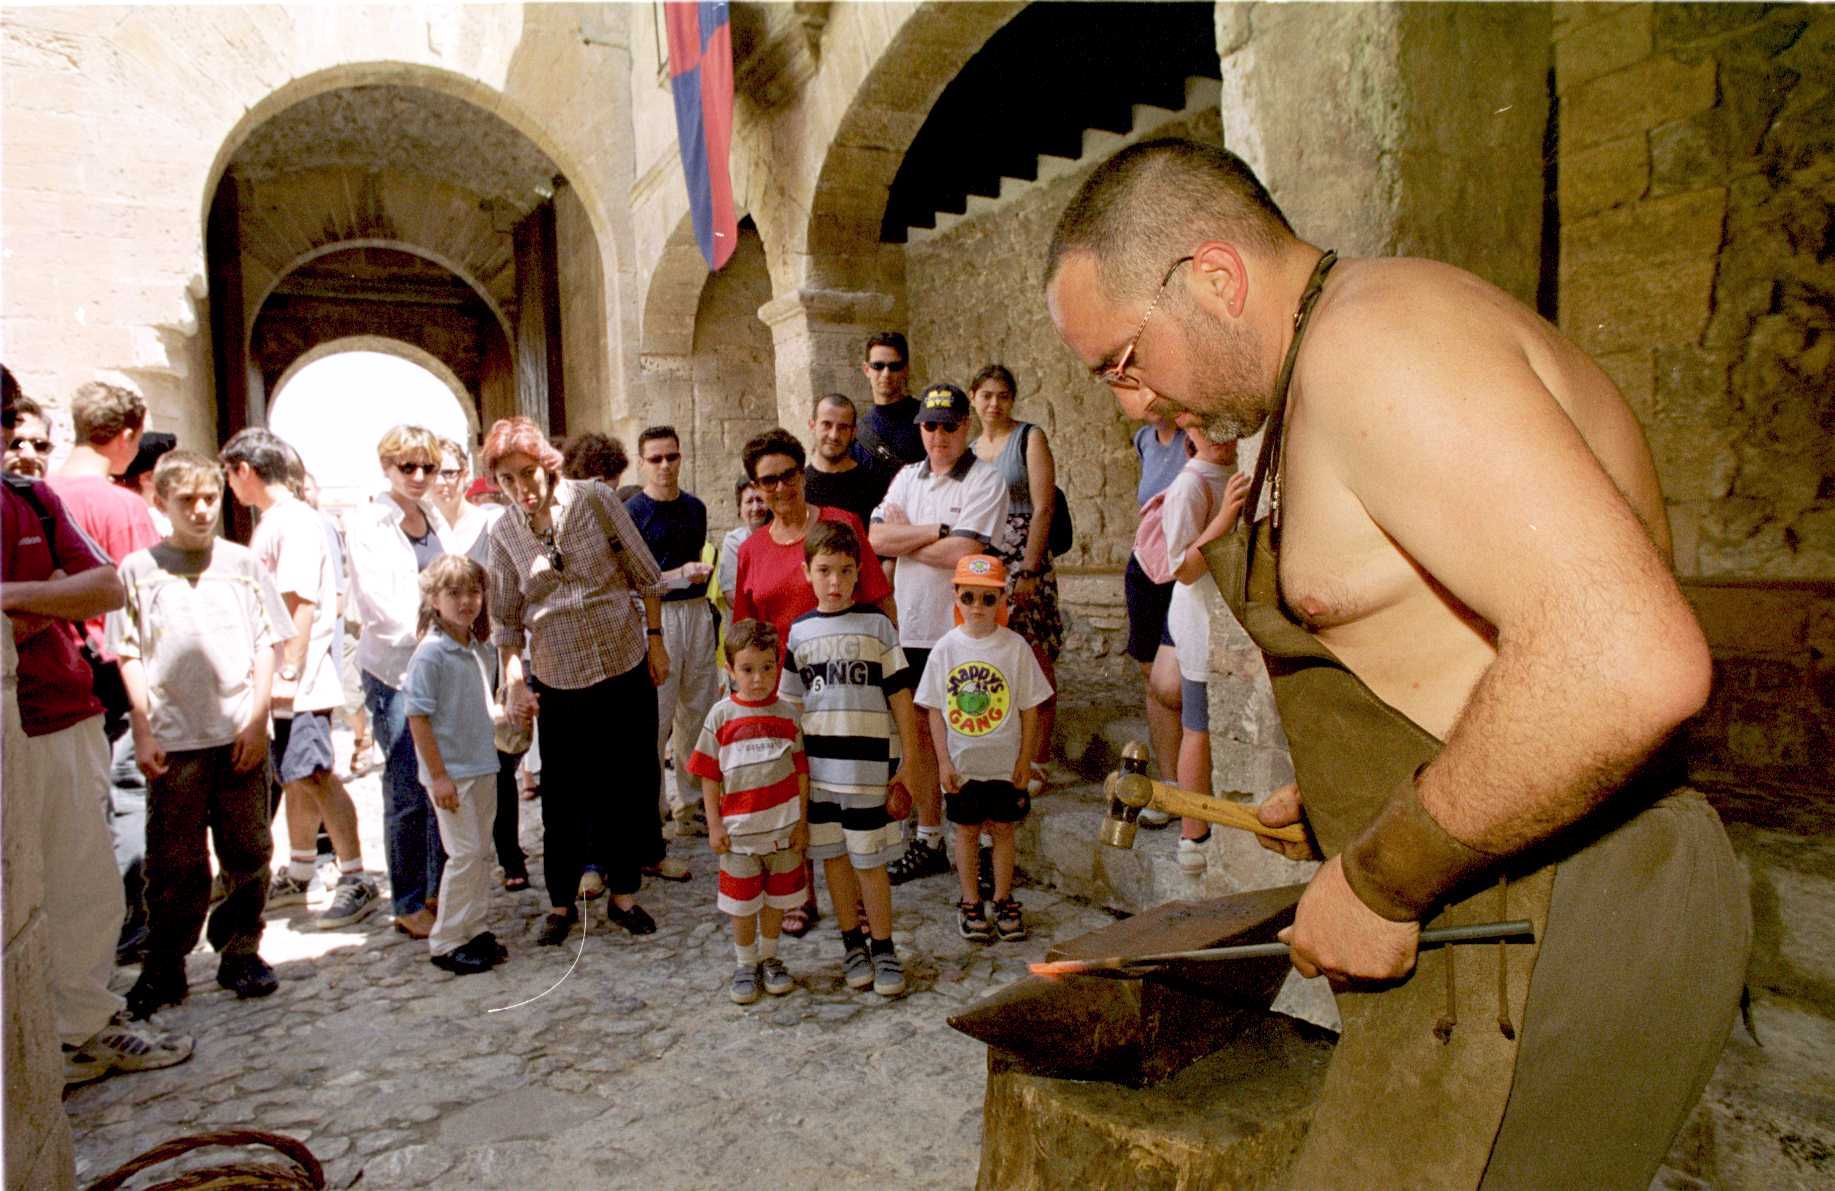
{"points": [[1282, 809], [1334, 934]]}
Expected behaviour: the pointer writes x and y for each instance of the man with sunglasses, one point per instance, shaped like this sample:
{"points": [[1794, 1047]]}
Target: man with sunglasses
{"points": [[1479, 652], [887, 433], [936, 513], [673, 523], [28, 438]]}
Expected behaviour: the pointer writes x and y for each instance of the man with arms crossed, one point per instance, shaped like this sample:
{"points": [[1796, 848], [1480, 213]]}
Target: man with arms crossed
{"points": [[1473, 579]]}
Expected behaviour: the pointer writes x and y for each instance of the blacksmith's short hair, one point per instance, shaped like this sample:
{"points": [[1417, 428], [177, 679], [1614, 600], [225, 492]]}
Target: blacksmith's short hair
{"points": [[652, 433], [749, 634], [831, 537], [891, 339], [594, 456], [841, 399], [101, 411], [1153, 203], [266, 453], [776, 441]]}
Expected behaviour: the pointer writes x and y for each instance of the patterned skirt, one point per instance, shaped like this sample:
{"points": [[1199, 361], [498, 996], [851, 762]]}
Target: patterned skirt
{"points": [[1036, 619]]}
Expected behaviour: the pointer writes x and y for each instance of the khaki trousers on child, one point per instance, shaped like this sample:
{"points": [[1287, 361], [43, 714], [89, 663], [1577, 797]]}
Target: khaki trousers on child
{"points": [[465, 889]]}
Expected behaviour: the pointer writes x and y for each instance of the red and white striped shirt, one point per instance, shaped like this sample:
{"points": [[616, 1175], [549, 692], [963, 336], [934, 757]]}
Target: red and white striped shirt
{"points": [[755, 752]]}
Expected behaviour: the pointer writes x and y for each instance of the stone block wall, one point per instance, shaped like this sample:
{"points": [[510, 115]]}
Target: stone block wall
{"points": [[1694, 181], [735, 380]]}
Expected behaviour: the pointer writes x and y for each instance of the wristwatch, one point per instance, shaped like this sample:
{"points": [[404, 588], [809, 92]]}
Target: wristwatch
{"points": [[289, 673], [942, 530]]}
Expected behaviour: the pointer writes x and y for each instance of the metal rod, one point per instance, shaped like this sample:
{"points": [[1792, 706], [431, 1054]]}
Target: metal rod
{"points": [[1517, 930]]}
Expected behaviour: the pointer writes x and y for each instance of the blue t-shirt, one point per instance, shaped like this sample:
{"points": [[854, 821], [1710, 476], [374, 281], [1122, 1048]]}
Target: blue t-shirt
{"points": [[1160, 465], [890, 432], [451, 685], [676, 532]]}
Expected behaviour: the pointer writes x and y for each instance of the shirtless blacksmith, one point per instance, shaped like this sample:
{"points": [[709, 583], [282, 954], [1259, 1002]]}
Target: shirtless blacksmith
{"points": [[1480, 655]]}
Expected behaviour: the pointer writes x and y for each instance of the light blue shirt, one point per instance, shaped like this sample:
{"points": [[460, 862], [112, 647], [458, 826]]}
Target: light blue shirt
{"points": [[451, 685]]}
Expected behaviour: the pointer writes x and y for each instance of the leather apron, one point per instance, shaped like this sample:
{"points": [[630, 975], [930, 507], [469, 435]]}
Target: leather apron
{"points": [[1469, 1072]]}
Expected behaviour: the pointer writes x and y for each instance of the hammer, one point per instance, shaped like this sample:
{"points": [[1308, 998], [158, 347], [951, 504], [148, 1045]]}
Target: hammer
{"points": [[1131, 791]]}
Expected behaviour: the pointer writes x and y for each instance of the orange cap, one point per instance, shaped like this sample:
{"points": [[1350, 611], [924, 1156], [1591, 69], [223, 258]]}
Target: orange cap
{"points": [[981, 570]]}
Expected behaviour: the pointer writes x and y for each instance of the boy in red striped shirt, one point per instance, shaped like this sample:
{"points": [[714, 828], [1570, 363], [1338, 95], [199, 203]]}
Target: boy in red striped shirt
{"points": [[755, 789]]}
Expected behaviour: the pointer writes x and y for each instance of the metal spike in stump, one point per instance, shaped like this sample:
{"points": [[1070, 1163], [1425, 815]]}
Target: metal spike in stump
{"points": [[1143, 1030]]}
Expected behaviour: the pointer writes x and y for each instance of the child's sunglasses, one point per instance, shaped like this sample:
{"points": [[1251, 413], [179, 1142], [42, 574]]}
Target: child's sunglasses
{"points": [[987, 599]]}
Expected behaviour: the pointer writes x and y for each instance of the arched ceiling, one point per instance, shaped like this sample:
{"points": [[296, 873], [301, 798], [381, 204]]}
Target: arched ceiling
{"points": [[383, 127]]}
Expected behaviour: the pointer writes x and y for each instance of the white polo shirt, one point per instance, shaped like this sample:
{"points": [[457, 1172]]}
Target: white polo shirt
{"points": [[970, 498]]}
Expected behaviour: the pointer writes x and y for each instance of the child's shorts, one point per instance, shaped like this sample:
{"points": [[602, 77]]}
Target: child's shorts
{"points": [[986, 802], [749, 881], [1194, 706], [852, 825]]}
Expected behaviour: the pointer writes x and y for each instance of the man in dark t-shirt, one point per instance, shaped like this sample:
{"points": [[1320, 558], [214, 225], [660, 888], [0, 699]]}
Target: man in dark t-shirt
{"points": [[837, 478], [889, 431], [674, 526]]}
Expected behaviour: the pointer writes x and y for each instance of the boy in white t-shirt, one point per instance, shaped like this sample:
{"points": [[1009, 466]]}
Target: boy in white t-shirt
{"points": [[196, 639], [982, 689], [1201, 505]]}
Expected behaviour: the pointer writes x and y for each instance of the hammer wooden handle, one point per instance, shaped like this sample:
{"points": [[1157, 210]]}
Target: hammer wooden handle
{"points": [[1220, 811]]}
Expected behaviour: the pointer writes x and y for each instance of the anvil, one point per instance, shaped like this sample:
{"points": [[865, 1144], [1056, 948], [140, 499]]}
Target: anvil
{"points": [[1143, 1030]]}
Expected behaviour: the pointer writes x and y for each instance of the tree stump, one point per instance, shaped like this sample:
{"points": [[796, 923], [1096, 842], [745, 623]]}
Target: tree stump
{"points": [[1234, 1119]]}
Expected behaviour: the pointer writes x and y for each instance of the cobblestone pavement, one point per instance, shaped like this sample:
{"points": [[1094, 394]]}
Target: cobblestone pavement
{"points": [[635, 1072]]}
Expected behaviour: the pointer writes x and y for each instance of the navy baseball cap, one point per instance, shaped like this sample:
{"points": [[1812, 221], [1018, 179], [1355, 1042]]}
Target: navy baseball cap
{"points": [[942, 402]]}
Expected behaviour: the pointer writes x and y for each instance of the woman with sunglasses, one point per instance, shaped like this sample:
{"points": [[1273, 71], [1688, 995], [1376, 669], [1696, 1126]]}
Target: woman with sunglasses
{"points": [[391, 541], [770, 583], [1023, 456], [568, 566], [465, 521]]}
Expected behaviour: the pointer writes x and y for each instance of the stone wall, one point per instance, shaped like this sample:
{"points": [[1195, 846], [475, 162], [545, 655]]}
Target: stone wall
{"points": [[1695, 175], [735, 379]]}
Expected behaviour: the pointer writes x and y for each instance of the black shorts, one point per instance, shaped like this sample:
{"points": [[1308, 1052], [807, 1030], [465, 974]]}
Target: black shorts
{"points": [[986, 802], [1147, 604]]}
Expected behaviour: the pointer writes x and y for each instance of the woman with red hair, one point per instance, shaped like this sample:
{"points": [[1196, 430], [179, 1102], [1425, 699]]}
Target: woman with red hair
{"points": [[567, 566]]}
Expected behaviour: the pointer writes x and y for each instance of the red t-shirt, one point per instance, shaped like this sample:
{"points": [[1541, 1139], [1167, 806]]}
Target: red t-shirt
{"points": [[55, 685], [770, 584], [114, 518]]}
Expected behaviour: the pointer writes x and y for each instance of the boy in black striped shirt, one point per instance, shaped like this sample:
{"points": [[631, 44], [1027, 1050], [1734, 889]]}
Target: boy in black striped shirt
{"points": [[842, 663]]}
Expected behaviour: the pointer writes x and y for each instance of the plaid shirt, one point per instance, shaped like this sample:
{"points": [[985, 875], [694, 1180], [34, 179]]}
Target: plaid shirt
{"points": [[584, 626]]}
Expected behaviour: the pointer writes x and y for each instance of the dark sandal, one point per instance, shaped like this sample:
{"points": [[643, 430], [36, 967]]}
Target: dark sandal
{"points": [[515, 882], [800, 921]]}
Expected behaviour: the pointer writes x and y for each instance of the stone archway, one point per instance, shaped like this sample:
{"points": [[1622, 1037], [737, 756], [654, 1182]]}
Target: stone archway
{"points": [[420, 358], [377, 162]]}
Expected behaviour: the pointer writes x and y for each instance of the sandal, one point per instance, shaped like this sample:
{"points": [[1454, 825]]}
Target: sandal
{"points": [[416, 925], [515, 882], [800, 920]]}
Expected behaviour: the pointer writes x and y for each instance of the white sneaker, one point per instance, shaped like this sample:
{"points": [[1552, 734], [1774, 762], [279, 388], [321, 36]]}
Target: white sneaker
{"points": [[122, 1045], [1193, 855], [1154, 818]]}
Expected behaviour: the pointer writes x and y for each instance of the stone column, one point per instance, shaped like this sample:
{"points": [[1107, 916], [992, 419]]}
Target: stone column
{"points": [[38, 1149], [818, 336]]}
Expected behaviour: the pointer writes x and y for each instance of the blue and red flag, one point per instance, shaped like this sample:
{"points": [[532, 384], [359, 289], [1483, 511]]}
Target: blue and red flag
{"points": [[701, 76]]}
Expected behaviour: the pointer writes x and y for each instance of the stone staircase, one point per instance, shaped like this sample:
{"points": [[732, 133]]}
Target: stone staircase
{"points": [[1200, 97]]}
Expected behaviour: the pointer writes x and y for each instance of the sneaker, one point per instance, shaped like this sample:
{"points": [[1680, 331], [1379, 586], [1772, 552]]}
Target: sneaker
{"points": [[669, 869], [1192, 855], [776, 977], [353, 900], [888, 975], [917, 861], [984, 872], [972, 923], [1154, 818], [287, 890], [247, 976], [1009, 923], [744, 989], [159, 985], [122, 1046], [857, 968]]}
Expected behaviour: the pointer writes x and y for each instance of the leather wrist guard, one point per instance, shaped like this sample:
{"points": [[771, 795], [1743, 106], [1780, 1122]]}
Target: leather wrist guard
{"points": [[1404, 862]]}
